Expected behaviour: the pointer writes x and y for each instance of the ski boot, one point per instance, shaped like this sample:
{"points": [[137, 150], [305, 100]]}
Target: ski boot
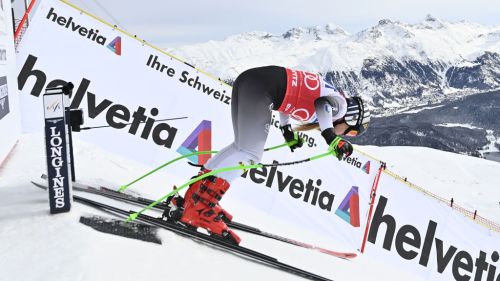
{"points": [[224, 215], [174, 207], [201, 208], [175, 203]]}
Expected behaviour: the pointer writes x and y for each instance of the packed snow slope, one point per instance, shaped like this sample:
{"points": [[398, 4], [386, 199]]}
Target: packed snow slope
{"points": [[37, 246]]}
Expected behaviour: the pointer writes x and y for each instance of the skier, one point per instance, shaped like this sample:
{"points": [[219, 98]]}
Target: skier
{"points": [[300, 95]]}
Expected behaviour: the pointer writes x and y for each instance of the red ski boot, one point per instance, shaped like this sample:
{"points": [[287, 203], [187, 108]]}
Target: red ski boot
{"points": [[226, 216], [201, 208]]}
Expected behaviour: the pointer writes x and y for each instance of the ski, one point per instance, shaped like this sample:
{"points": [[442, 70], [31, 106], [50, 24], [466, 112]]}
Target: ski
{"points": [[140, 201], [201, 237]]}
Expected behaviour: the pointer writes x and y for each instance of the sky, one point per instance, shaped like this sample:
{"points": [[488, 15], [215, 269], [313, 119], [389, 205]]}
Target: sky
{"points": [[167, 23]]}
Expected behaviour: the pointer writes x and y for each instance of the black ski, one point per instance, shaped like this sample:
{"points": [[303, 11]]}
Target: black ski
{"points": [[193, 234], [140, 201]]}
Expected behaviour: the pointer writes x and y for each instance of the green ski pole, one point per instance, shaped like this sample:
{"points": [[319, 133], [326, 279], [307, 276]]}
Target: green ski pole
{"points": [[124, 187], [216, 171], [226, 169]]}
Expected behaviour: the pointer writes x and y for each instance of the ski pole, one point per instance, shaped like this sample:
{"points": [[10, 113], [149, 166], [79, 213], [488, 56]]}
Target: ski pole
{"points": [[107, 126], [220, 170], [124, 187], [226, 169], [280, 146]]}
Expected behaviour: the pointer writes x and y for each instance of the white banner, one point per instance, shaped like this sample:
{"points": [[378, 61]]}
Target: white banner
{"points": [[10, 128], [428, 237], [119, 79]]}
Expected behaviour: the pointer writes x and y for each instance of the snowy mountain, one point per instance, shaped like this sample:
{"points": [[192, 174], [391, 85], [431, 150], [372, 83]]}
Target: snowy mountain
{"points": [[394, 64], [468, 125]]}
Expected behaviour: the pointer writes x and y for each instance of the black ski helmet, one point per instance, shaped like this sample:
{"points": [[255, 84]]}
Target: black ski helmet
{"points": [[357, 116]]}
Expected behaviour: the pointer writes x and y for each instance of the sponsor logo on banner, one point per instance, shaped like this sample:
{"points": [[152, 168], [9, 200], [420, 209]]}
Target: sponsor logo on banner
{"points": [[89, 33], [308, 191], [354, 161], [412, 244], [301, 114], [349, 208], [4, 97], [57, 158], [116, 46], [117, 115], [200, 138], [54, 109]]}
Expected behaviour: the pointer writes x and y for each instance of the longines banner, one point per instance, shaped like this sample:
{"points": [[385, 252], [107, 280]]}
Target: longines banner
{"points": [[59, 182], [429, 238]]}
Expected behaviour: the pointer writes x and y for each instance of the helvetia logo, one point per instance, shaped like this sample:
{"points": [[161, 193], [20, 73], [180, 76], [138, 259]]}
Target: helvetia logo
{"points": [[200, 138], [349, 208], [366, 167], [116, 46], [117, 115], [410, 244], [89, 33], [356, 163]]}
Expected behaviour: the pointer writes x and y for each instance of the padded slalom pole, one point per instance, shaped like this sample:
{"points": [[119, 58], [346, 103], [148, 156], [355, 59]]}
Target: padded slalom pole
{"points": [[373, 195]]}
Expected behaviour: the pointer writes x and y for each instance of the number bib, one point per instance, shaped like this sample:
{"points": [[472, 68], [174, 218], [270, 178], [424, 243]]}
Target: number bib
{"points": [[303, 88]]}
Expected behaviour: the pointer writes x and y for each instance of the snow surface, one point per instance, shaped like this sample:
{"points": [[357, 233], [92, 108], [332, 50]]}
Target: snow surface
{"points": [[37, 246], [451, 125], [421, 109]]}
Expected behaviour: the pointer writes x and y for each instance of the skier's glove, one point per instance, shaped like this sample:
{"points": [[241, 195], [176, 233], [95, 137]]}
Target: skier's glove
{"points": [[340, 148], [292, 138]]}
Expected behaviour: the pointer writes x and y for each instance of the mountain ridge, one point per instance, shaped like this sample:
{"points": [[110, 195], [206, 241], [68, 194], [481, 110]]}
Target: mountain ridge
{"points": [[392, 64]]}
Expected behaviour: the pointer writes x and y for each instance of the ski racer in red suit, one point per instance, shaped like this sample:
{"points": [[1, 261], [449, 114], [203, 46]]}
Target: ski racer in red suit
{"points": [[300, 95]]}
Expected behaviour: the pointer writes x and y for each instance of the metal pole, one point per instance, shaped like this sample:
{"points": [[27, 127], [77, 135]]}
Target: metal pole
{"points": [[70, 140], [25, 9], [372, 203], [23, 20], [13, 20]]}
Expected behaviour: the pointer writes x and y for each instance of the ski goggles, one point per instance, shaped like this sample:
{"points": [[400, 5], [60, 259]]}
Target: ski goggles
{"points": [[355, 119], [352, 130]]}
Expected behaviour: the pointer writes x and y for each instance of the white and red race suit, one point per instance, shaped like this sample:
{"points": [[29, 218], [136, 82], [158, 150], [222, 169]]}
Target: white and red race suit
{"points": [[310, 99]]}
